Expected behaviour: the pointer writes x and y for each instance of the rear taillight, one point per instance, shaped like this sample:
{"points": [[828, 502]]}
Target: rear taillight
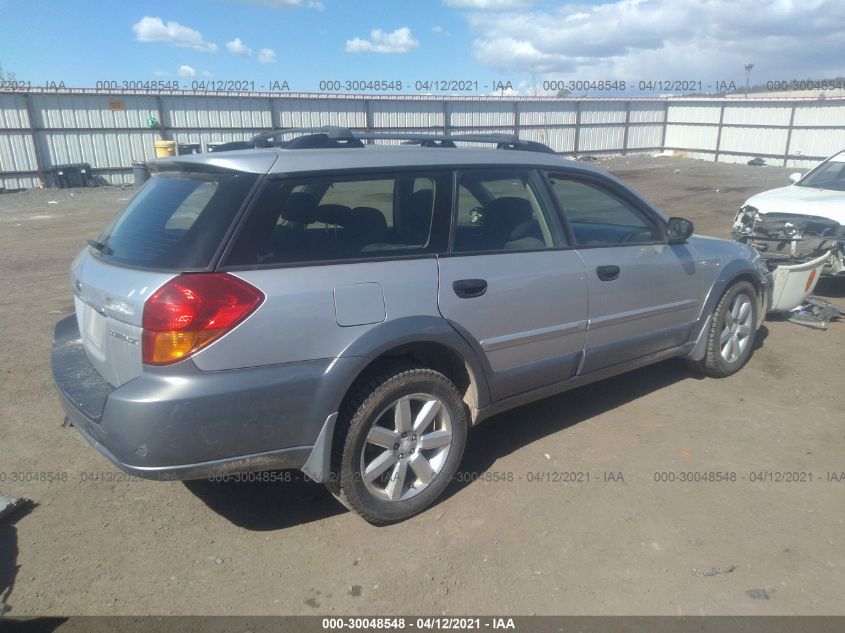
{"points": [[190, 311]]}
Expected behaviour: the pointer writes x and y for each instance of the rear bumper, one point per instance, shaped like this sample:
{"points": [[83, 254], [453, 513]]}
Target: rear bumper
{"points": [[178, 422], [270, 460]]}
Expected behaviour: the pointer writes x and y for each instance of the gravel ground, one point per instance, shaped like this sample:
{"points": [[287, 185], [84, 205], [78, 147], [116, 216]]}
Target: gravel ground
{"points": [[620, 543]]}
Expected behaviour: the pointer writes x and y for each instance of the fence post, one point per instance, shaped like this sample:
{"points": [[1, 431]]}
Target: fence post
{"points": [[789, 134], [625, 132], [160, 110], [446, 121], [39, 157], [577, 145], [719, 132], [272, 117], [665, 123], [516, 118], [368, 119]]}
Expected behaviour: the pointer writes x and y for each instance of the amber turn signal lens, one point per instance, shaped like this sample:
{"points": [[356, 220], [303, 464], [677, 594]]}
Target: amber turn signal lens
{"points": [[169, 347]]}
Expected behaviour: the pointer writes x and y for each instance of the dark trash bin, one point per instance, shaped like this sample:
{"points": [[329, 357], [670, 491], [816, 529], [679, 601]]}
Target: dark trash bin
{"points": [[71, 175], [140, 173]]}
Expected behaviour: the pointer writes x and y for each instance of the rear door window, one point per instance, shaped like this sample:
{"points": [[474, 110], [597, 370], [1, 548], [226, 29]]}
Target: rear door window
{"points": [[176, 221], [504, 210], [345, 217]]}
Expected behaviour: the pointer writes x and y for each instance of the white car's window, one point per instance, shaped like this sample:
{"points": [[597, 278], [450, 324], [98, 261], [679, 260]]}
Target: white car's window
{"points": [[830, 175]]}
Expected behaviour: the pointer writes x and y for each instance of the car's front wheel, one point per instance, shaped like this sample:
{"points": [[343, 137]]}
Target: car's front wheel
{"points": [[732, 332], [400, 443]]}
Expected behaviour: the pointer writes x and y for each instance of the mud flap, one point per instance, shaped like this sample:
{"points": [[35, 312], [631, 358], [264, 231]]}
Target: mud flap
{"points": [[318, 464]]}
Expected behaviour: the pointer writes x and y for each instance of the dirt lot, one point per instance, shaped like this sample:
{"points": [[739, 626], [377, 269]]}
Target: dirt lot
{"points": [[499, 543]]}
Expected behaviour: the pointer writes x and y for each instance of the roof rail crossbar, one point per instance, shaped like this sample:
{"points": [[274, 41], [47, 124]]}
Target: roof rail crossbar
{"points": [[501, 141], [333, 136], [430, 142], [329, 131]]}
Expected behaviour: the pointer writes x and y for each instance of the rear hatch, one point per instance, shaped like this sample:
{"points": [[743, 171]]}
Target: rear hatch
{"points": [[178, 222]]}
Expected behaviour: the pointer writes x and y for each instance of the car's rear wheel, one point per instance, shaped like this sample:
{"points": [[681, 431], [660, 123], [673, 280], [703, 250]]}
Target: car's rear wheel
{"points": [[401, 439], [732, 332]]}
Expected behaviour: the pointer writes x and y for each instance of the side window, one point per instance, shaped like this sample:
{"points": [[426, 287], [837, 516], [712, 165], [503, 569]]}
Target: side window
{"points": [[599, 218], [325, 219], [369, 194], [503, 210]]}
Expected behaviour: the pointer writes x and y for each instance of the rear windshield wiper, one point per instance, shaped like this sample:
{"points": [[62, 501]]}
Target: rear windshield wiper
{"points": [[100, 247]]}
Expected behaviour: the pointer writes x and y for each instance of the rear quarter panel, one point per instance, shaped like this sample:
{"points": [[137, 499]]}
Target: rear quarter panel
{"points": [[305, 305]]}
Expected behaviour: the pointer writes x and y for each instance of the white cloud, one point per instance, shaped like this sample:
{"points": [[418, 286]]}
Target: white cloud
{"points": [[206, 73], [237, 47], [439, 30], [317, 6], [186, 71], [161, 73], [487, 5], [149, 29], [267, 56], [399, 41], [664, 39]]}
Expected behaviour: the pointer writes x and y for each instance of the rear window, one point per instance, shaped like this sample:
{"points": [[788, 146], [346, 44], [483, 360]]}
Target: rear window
{"points": [[176, 221]]}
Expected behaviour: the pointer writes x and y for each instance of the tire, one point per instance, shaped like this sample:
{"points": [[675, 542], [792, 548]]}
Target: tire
{"points": [[383, 475], [732, 332]]}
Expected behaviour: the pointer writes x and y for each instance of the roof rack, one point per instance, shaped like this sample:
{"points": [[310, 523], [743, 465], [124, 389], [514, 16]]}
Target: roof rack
{"points": [[334, 137]]}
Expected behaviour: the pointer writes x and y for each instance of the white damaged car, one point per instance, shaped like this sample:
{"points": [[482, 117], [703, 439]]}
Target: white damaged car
{"points": [[799, 230]]}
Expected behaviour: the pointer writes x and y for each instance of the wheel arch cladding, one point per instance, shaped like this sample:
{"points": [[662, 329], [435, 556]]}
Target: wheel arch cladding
{"points": [[732, 272], [425, 340]]}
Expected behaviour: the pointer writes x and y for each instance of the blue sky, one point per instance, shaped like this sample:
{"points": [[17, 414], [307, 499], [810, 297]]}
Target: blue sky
{"points": [[522, 41], [95, 40]]}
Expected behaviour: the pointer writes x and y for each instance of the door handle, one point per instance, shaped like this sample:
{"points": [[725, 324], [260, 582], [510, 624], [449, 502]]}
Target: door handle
{"points": [[469, 288], [608, 273]]}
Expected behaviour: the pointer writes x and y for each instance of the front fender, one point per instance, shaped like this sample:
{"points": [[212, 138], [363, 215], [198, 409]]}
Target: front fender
{"points": [[729, 272]]}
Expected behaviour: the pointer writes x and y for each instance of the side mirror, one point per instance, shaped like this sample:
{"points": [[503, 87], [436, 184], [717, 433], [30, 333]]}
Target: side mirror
{"points": [[679, 229], [796, 176]]}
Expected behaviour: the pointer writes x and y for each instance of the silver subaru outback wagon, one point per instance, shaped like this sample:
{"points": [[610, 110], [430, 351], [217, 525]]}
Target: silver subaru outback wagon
{"points": [[351, 310]]}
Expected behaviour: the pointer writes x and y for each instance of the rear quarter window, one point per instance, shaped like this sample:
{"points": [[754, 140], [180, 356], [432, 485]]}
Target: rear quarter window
{"points": [[345, 217], [176, 221]]}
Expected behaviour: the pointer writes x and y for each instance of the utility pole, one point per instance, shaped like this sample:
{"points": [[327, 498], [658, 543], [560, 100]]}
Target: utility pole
{"points": [[748, 68]]}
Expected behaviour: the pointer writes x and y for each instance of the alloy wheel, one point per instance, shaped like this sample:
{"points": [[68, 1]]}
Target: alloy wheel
{"points": [[407, 447], [737, 329]]}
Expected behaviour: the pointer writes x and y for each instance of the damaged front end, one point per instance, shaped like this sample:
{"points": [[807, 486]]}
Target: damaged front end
{"points": [[786, 239], [797, 248]]}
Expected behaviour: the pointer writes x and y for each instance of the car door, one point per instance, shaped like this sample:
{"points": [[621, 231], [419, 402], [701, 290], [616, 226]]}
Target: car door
{"points": [[511, 283], [644, 293]]}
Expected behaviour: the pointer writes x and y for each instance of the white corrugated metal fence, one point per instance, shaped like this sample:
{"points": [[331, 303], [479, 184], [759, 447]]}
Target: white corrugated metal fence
{"points": [[109, 131]]}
